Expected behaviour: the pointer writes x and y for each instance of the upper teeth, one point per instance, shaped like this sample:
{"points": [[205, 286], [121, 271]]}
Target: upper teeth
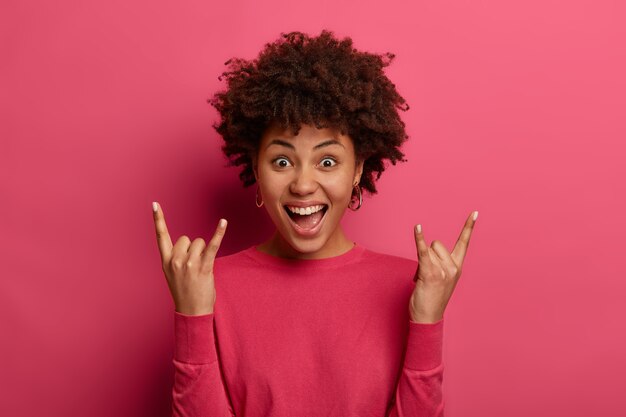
{"points": [[305, 210]]}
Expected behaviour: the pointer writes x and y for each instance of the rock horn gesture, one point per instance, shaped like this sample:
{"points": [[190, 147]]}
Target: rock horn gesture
{"points": [[188, 266], [438, 271]]}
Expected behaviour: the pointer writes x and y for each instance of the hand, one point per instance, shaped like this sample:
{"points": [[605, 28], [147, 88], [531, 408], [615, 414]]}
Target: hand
{"points": [[437, 274], [188, 267]]}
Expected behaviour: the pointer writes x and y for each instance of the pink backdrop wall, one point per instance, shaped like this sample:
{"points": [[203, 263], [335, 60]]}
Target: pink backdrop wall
{"points": [[517, 110]]}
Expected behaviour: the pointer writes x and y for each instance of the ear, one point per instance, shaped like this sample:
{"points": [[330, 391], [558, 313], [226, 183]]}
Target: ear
{"points": [[358, 171]]}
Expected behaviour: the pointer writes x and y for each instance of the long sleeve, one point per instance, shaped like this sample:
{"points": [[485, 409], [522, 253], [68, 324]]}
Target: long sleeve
{"points": [[198, 389], [419, 391]]}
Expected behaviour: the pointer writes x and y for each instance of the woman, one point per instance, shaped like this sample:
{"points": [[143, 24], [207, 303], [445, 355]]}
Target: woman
{"points": [[309, 323]]}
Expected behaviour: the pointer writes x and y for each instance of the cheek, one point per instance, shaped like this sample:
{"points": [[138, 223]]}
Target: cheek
{"points": [[340, 187], [272, 185]]}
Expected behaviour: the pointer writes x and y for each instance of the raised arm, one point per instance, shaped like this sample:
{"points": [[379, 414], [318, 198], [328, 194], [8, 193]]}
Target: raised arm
{"points": [[198, 389], [419, 390]]}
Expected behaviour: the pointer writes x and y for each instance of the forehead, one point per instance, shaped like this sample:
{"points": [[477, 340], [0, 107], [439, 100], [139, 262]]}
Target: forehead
{"points": [[307, 137]]}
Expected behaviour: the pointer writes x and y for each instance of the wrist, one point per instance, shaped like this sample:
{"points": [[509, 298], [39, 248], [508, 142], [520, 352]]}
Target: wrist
{"points": [[425, 319], [194, 311]]}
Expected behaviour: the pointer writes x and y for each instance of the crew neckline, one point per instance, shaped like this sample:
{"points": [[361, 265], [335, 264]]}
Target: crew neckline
{"points": [[265, 258]]}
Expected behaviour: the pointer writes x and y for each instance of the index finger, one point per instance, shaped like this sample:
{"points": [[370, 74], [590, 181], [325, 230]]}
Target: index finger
{"points": [[163, 237], [460, 249]]}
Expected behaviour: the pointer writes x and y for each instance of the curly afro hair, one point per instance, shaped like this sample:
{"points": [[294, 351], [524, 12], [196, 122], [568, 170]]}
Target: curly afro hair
{"points": [[319, 81]]}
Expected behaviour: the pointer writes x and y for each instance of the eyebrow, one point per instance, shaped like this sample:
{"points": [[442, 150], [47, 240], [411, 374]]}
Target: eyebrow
{"points": [[319, 145]]}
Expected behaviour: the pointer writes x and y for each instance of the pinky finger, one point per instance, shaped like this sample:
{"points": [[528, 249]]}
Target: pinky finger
{"points": [[422, 247]]}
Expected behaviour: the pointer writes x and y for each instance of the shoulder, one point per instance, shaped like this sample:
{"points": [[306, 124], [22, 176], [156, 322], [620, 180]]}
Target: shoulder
{"points": [[236, 259], [389, 262], [389, 271]]}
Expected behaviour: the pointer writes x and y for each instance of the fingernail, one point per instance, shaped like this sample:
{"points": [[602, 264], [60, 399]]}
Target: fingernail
{"points": [[418, 228], [475, 215], [154, 206], [222, 223]]}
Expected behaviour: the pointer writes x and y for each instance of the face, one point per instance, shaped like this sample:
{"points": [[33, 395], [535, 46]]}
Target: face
{"points": [[316, 167]]}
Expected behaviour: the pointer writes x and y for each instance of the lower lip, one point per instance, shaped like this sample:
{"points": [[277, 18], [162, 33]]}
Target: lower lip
{"points": [[307, 232]]}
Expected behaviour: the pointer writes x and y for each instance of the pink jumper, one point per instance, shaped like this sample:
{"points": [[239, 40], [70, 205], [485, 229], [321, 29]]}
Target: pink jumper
{"points": [[317, 337]]}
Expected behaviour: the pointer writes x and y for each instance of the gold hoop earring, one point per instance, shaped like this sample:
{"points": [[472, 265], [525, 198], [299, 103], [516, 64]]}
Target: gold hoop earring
{"points": [[257, 198], [358, 190]]}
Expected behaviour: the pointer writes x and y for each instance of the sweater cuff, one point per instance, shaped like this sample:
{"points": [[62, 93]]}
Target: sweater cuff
{"points": [[193, 338], [424, 346]]}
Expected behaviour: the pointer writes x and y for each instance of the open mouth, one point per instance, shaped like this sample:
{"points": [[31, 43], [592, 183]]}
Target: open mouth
{"points": [[307, 224]]}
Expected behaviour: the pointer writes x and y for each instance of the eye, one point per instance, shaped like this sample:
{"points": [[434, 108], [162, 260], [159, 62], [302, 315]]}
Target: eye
{"points": [[328, 159], [278, 159]]}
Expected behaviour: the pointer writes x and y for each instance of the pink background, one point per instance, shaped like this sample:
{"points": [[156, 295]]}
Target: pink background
{"points": [[517, 110]]}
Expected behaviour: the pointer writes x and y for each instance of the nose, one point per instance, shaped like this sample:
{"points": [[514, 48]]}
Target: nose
{"points": [[304, 182]]}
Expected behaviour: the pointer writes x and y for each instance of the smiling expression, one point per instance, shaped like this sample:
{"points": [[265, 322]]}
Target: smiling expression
{"points": [[316, 167]]}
